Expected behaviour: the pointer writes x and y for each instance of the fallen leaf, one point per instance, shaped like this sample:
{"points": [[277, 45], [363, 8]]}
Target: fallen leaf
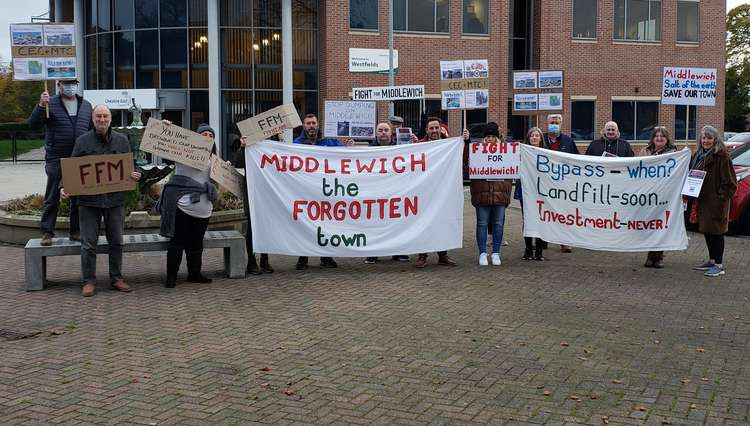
{"points": [[547, 393], [586, 351], [540, 387], [264, 384], [657, 341], [685, 381], [522, 344], [582, 358], [617, 381], [666, 422], [573, 397], [700, 350], [564, 344], [289, 392], [702, 327], [693, 406], [705, 379], [640, 408], [265, 369], [594, 397], [605, 420]]}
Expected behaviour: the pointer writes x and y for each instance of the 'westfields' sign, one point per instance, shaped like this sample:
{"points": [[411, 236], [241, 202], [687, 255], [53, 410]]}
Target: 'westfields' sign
{"points": [[373, 201]]}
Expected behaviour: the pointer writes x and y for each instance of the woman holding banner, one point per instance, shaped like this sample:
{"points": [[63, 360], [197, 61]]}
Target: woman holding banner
{"points": [[660, 143], [490, 198], [186, 204], [711, 209], [534, 246]]}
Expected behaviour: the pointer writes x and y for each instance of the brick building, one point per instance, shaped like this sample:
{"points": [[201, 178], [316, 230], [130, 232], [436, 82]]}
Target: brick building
{"points": [[610, 51]]}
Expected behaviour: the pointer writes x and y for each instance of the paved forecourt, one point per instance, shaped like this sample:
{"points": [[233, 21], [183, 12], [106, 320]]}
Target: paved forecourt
{"points": [[584, 338]]}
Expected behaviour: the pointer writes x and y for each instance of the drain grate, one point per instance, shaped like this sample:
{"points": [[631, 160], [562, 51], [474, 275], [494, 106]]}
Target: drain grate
{"points": [[17, 335]]}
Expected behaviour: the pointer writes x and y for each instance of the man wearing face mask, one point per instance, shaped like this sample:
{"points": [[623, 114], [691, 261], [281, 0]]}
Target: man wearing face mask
{"points": [[69, 117], [556, 140]]}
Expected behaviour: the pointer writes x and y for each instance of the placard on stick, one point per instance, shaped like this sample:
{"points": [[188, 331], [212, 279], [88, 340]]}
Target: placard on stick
{"points": [[177, 144], [272, 122], [97, 174], [226, 176]]}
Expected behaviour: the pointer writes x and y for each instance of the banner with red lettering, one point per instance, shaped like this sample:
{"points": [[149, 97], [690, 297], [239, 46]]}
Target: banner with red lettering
{"points": [[602, 203], [355, 202]]}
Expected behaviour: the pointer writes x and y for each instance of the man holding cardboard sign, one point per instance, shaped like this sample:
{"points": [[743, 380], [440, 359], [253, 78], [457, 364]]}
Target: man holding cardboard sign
{"points": [[109, 205]]}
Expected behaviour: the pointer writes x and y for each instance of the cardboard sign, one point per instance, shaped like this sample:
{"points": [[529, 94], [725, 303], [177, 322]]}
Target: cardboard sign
{"points": [[177, 144], [350, 119], [493, 161], [97, 174], [226, 176], [689, 86], [269, 123]]}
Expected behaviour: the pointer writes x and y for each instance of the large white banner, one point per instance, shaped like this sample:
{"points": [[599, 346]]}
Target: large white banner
{"points": [[355, 202], [599, 203]]}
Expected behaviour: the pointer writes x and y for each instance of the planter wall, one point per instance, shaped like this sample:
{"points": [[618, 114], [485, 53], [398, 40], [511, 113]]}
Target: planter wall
{"points": [[19, 229]]}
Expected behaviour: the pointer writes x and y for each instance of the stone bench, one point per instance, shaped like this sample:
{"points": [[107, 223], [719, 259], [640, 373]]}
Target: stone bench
{"points": [[36, 255]]}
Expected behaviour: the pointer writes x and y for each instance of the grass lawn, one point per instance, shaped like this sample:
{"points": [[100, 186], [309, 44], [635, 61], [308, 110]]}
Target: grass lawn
{"points": [[23, 145]]}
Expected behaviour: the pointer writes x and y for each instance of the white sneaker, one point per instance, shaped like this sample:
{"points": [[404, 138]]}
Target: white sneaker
{"points": [[496, 259], [483, 259]]}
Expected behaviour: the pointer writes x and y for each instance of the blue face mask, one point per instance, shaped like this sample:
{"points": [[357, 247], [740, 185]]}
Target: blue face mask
{"points": [[553, 128], [69, 89]]}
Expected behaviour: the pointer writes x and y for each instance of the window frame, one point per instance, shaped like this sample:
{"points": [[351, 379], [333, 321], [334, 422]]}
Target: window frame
{"points": [[369, 30], [625, 23], [463, 31], [434, 21], [596, 22], [593, 118], [698, 22], [635, 115]]}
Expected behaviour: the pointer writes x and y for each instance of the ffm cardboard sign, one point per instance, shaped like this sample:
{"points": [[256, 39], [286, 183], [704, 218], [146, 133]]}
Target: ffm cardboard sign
{"points": [[177, 144], [269, 123], [97, 174]]}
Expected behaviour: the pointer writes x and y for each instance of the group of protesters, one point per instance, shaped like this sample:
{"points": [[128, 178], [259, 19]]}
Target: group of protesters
{"points": [[74, 128]]}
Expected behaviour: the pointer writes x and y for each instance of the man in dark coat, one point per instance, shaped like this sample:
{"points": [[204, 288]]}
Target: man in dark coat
{"points": [[69, 118], [110, 206], [610, 144]]}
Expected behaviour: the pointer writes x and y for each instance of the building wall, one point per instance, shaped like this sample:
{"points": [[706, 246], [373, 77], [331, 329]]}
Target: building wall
{"points": [[605, 68], [419, 56]]}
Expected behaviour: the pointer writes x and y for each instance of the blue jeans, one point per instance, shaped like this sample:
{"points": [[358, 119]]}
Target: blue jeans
{"points": [[485, 216]]}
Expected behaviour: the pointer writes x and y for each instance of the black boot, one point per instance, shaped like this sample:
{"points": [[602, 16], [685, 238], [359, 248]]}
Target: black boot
{"points": [[252, 265], [174, 259], [194, 263], [264, 265], [528, 252], [538, 252]]}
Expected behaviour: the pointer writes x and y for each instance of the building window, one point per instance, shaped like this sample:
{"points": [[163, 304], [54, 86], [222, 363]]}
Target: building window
{"points": [[173, 13], [363, 14], [638, 20], [584, 19], [146, 13], [688, 18], [426, 16], [680, 117], [146, 60], [122, 14], [124, 57], [173, 59], [476, 16], [104, 59], [635, 119], [582, 120]]}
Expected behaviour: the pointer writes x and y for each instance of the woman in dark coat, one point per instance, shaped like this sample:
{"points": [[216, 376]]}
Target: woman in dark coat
{"points": [[712, 205], [660, 143]]}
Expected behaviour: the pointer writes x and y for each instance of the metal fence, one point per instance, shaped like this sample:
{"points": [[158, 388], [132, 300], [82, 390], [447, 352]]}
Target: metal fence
{"points": [[21, 145]]}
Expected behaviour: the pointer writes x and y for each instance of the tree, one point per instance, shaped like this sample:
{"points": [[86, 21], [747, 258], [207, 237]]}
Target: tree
{"points": [[18, 98], [737, 87]]}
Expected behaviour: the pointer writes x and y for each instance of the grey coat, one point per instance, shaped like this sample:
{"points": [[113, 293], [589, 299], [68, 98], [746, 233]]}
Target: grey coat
{"points": [[176, 188]]}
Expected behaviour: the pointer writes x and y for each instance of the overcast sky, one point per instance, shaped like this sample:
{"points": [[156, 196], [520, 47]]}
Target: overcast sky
{"points": [[22, 11]]}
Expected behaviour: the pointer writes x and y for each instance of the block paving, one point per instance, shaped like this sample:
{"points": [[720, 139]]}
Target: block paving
{"points": [[583, 338]]}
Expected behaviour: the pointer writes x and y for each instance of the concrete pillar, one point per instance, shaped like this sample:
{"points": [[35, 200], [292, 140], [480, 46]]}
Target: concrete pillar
{"points": [[214, 75], [287, 58], [80, 29]]}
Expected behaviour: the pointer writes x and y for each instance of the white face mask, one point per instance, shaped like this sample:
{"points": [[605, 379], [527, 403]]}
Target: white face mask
{"points": [[69, 89]]}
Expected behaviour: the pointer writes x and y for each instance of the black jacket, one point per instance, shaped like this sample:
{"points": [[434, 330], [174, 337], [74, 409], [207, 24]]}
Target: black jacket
{"points": [[62, 129], [620, 148], [90, 143], [567, 144]]}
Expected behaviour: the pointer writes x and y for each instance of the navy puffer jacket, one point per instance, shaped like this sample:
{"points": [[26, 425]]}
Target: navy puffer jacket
{"points": [[62, 129]]}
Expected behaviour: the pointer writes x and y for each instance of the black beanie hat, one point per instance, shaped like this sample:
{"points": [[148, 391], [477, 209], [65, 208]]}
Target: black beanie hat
{"points": [[491, 130], [205, 128]]}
